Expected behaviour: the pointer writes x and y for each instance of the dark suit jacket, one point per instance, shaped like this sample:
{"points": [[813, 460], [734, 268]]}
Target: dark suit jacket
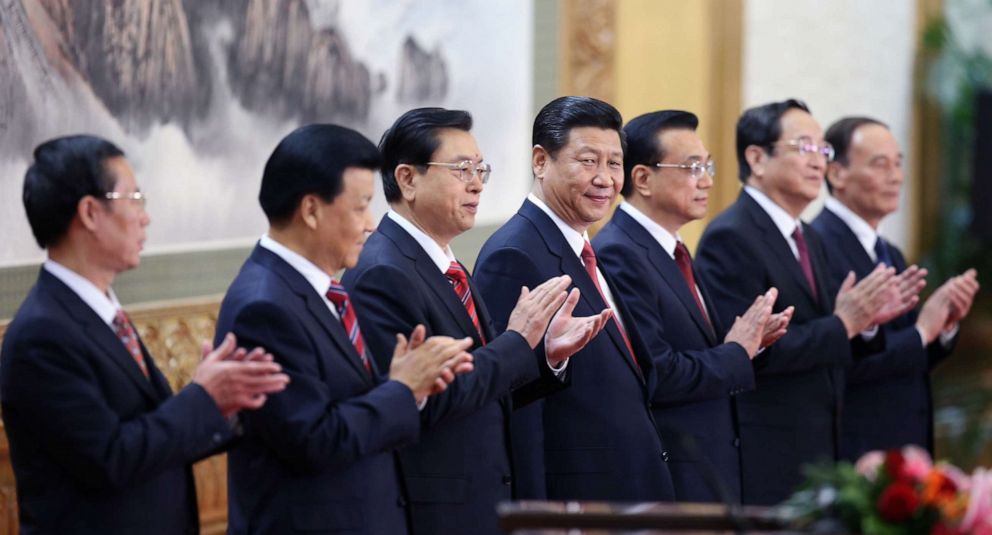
{"points": [[595, 440], [318, 457], [696, 375], [95, 446], [793, 416], [460, 468], [887, 401]]}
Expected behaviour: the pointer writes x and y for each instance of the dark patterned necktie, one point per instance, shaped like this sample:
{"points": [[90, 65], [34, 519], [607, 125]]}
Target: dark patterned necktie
{"points": [[459, 282], [125, 331], [339, 297], [882, 255], [684, 261], [804, 260]]}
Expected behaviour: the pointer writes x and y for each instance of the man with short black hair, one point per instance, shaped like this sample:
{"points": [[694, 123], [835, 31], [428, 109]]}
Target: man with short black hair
{"points": [[595, 440], [407, 275], [321, 456], [98, 442], [793, 416], [887, 401], [668, 173]]}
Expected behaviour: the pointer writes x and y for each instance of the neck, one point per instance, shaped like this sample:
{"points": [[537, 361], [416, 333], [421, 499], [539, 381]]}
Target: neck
{"points": [[538, 192], [665, 220], [302, 243], [77, 259], [791, 206], [404, 210]]}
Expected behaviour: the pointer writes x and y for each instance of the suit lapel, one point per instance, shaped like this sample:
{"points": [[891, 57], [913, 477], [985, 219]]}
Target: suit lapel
{"points": [[666, 268], [820, 269], [317, 308], [570, 264], [101, 334], [432, 277], [778, 246], [844, 237]]}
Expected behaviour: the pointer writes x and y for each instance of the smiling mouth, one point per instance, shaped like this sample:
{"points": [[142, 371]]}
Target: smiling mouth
{"points": [[471, 207], [598, 199]]}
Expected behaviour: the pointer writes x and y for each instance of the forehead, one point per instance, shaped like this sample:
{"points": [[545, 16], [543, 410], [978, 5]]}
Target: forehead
{"points": [[797, 123], [456, 142], [874, 138], [681, 144], [592, 138], [120, 172], [358, 182]]}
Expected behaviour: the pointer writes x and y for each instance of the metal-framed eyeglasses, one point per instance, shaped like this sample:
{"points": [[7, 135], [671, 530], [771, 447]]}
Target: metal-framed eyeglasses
{"points": [[806, 146], [696, 169], [136, 196], [467, 170]]}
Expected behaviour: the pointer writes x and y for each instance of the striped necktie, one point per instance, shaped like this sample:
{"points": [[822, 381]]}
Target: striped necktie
{"points": [[459, 282], [129, 337], [339, 297]]}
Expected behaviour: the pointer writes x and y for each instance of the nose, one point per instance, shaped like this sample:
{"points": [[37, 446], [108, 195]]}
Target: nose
{"points": [[705, 182], [475, 185], [368, 221]]}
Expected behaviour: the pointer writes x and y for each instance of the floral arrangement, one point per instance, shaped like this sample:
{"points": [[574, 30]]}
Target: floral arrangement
{"points": [[893, 493]]}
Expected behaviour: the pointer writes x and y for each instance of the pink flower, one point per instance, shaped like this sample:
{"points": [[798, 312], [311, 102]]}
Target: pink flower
{"points": [[869, 464], [978, 517], [955, 474], [917, 463]]}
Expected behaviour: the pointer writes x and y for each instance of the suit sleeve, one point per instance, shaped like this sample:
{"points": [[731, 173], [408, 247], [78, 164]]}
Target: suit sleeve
{"points": [[681, 376], [734, 275], [49, 387], [903, 354], [308, 426], [384, 310]]}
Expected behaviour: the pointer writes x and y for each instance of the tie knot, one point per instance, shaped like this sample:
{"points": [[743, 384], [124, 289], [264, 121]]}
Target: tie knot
{"points": [[797, 234], [681, 251], [120, 319], [455, 272], [587, 252], [337, 294]]}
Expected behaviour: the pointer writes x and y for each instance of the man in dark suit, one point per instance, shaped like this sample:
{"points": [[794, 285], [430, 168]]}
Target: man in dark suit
{"points": [[667, 175], [887, 401], [595, 440], [98, 442], [793, 416], [320, 456], [433, 176]]}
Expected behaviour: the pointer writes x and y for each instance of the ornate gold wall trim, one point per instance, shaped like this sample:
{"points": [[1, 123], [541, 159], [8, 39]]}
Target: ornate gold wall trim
{"points": [[726, 42], [925, 143], [588, 38]]}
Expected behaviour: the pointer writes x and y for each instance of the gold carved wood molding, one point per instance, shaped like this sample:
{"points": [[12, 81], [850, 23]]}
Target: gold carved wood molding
{"points": [[588, 40]]}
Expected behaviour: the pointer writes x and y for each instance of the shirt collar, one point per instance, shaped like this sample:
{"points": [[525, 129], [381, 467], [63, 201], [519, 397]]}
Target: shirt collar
{"points": [[659, 233], [317, 277], [442, 258], [105, 305], [786, 223], [861, 229], [575, 239]]}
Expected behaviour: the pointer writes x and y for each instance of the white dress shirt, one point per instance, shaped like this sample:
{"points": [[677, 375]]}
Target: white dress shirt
{"points": [[785, 223], [317, 277], [105, 305]]}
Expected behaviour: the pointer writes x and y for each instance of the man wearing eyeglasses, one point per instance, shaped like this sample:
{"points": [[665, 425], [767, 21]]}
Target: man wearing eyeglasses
{"points": [[668, 174], [793, 416], [98, 442], [887, 401], [433, 177]]}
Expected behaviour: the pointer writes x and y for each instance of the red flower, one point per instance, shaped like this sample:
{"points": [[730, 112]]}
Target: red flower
{"points": [[895, 465], [898, 502], [941, 528]]}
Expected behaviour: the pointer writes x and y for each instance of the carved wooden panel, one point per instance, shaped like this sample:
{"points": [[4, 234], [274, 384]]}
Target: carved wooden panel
{"points": [[172, 331], [587, 48]]}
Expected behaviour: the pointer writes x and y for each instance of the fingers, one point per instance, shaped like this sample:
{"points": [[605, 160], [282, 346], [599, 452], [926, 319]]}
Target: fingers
{"points": [[417, 337], [401, 346], [569, 305], [223, 350], [847, 284], [204, 348]]}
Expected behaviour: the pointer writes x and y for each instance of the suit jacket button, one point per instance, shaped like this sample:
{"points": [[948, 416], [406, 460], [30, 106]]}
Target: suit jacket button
{"points": [[664, 456], [737, 442], [217, 438], [401, 501], [507, 480]]}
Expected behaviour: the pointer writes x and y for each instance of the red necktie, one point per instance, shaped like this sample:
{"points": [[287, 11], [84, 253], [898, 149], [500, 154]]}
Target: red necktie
{"points": [[337, 295], [589, 261], [684, 261], [125, 331], [459, 281], [804, 260]]}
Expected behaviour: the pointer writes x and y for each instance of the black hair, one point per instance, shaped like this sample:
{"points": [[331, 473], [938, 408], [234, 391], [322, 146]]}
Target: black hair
{"points": [[839, 135], [412, 140], [762, 126], [557, 119], [643, 145], [312, 160], [65, 170]]}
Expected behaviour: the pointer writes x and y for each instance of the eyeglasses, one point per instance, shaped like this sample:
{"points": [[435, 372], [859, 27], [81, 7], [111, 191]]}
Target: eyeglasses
{"points": [[137, 196], [467, 170], [696, 169], [806, 146]]}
